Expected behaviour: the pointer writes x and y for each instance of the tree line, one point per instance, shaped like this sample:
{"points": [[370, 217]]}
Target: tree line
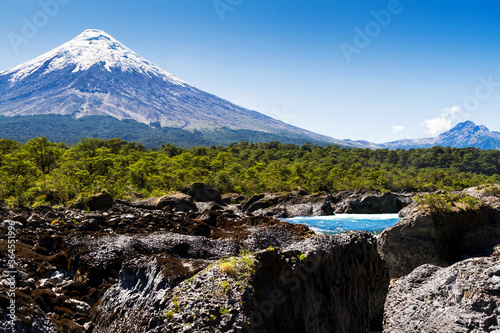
{"points": [[42, 172]]}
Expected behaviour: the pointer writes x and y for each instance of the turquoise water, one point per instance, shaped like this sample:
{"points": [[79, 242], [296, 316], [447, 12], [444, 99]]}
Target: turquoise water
{"points": [[335, 224]]}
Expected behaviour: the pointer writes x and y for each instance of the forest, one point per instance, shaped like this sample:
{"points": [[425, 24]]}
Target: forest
{"points": [[41, 172]]}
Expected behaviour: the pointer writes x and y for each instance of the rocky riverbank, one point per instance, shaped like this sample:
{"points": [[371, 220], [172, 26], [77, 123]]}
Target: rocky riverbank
{"points": [[199, 261]]}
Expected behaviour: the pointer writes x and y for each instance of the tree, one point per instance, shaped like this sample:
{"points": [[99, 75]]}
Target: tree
{"points": [[43, 153]]}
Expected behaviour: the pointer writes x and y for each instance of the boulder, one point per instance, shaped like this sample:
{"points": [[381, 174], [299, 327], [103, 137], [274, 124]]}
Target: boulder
{"points": [[424, 237], [283, 205], [375, 203], [309, 205], [464, 297], [89, 225], [202, 192], [233, 198], [177, 202], [101, 201]]}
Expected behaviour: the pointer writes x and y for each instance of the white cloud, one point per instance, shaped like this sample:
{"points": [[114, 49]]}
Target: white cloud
{"points": [[442, 123], [397, 128]]}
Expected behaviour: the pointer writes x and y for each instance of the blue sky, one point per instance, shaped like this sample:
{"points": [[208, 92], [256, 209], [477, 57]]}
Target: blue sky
{"points": [[372, 70]]}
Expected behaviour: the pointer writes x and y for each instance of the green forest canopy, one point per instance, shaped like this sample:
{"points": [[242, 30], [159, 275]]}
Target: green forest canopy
{"points": [[42, 172]]}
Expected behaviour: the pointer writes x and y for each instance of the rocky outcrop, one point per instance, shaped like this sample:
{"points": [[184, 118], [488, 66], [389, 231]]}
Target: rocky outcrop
{"points": [[324, 283], [440, 238], [282, 205], [66, 260], [138, 301], [202, 192], [169, 264], [372, 203], [300, 203], [29, 317], [233, 198], [177, 202], [148, 267], [99, 257], [464, 297], [100, 201]]}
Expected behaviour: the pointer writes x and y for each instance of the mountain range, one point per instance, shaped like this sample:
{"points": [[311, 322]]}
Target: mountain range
{"points": [[94, 86], [465, 134]]}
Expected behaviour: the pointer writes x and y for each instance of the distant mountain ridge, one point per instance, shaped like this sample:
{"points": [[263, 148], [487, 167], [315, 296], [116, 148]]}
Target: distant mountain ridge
{"points": [[465, 134], [95, 75]]}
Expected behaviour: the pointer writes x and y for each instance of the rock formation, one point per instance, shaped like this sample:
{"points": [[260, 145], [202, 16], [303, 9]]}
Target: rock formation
{"points": [[464, 297], [440, 238], [172, 264]]}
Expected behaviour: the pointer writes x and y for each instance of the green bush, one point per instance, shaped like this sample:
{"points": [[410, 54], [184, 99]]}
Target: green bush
{"points": [[445, 202]]}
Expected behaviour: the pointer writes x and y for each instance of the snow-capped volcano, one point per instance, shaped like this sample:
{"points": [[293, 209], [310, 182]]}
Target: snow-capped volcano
{"points": [[92, 47], [95, 75]]}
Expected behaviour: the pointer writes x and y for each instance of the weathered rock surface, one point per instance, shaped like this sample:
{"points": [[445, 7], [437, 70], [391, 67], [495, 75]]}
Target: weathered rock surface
{"points": [[233, 198], [29, 316], [464, 297], [281, 205], [102, 256], [440, 239], [372, 203], [324, 283], [178, 201], [202, 192], [300, 203], [66, 260], [137, 302], [169, 264], [101, 201]]}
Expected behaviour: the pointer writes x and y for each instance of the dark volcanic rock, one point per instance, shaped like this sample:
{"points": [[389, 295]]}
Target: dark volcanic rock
{"points": [[29, 317], [101, 201], [177, 202], [89, 225], [464, 297], [233, 198], [440, 239], [326, 283], [137, 302], [202, 192], [282, 205], [372, 204], [101, 256]]}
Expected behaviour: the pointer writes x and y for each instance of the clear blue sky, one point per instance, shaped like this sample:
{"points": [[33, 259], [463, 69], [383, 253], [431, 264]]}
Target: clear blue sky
{"points": [[417, 72]]}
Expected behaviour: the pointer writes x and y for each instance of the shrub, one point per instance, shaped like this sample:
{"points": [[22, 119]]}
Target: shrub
{"points": [[228, 268], [445, 202]]}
